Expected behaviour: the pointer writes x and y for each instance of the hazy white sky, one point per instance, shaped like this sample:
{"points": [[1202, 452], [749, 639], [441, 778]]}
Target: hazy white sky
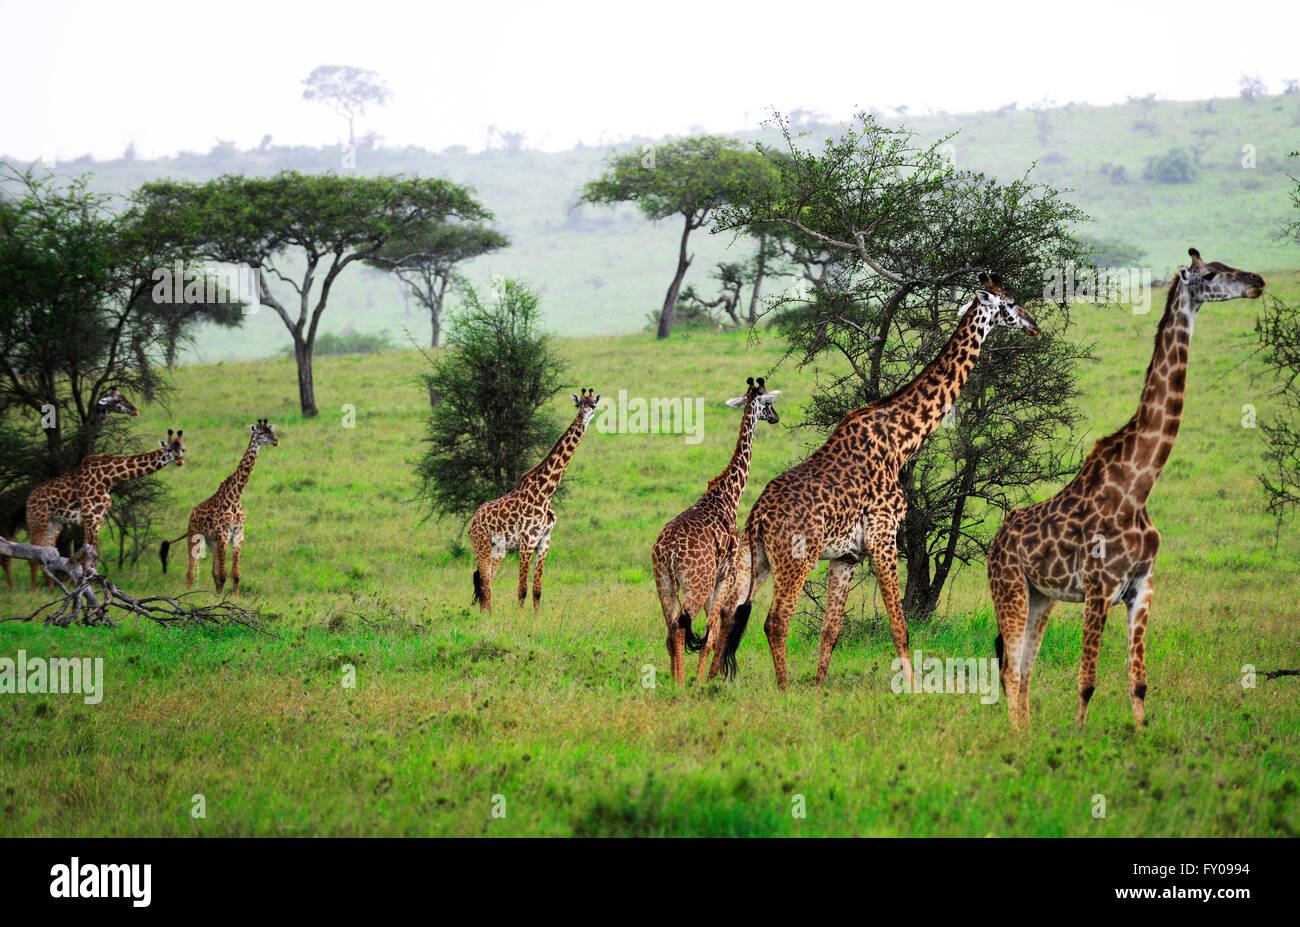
{"points": [[92, 77]]}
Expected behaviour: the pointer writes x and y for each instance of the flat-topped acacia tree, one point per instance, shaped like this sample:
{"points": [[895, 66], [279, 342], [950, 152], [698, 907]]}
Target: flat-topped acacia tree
{"points": [[690, 178], [426, 260], [326, 221]]}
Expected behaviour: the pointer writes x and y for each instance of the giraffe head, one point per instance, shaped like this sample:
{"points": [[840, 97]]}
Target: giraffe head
{"points": [[997, 307], [586, 403], [1212, 282], [114, 403], [263, 433], [764, 402], [174, 448]]}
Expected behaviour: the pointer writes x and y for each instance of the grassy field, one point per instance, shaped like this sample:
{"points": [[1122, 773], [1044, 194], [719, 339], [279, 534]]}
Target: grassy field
{"points": [[545, 716]]}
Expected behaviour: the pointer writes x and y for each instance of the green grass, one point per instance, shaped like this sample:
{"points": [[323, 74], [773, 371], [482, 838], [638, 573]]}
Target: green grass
{"points": [[548, 710]]}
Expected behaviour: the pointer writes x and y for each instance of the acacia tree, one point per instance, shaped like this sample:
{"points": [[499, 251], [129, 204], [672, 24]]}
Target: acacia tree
{"points": [[426, 260], [494, 381], [890, 237], [690, 179], [78, 319], [326, 222], [347, 91], [1278, 330]]}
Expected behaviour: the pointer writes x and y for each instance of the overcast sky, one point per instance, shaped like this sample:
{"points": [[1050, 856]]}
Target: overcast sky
{"points": [[93, 77]]}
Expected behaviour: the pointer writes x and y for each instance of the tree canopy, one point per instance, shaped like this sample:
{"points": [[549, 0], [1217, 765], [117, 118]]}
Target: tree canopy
{"points": [[325, 221], [887, 239], [691, 179]]}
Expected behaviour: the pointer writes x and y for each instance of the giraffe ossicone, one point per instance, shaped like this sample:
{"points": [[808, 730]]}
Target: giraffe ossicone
{"points": [[523, 518], [218, 521], [844, 503], [1093, 542], [694, 557]]}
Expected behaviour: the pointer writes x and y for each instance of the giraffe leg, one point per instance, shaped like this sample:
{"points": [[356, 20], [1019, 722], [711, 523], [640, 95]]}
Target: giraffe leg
{"points": [[537, 577], [837, 591], [788, 584], [722, 593], [751, 573], [219, 563], [42, 537], [193, 551], [1094, 621], [237, 546], [488, 558], [1138, 613], [1010, 596], [1039, 608], [666, 586], [885, 560], [525, 564]]}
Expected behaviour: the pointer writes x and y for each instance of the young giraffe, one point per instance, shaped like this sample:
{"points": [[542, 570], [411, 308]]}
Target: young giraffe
{"points": [[219, 519], [81, 496], [13, 503], [844, 504], [1093, 542], [523, 519], [694, 556]]}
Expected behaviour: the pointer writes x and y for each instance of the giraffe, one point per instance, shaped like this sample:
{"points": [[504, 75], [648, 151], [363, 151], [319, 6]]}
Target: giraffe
{"points": [[694, 556], [219, 519], [82, 497], [13, 502], [523, 519], [844, 504], [1093, 542]]}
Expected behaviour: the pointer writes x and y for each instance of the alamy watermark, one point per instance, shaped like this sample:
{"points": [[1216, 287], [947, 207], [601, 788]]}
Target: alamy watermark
{"points": [[53, 676], [1086, 284], [655, 416], [207, 284], [951, 676]]}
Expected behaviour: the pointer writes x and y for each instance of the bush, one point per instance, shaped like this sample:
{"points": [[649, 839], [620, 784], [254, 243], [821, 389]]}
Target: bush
{"points": [[490, 388], [349, 342], [1174, 166]]}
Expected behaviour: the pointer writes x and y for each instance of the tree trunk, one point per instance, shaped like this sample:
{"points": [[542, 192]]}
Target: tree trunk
{"points": [[670, 299], [306, 386], [435, 313], [760, 268]]}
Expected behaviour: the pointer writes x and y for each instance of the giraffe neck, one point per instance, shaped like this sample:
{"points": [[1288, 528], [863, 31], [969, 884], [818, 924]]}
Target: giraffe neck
{"points": [[121, 469], [730, 483], [239, 479], [1160, 411], [924, 402], [546, 475]]}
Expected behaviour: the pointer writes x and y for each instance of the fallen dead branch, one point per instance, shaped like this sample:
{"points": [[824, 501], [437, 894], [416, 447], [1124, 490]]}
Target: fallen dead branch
{"points": [[89, 598]]}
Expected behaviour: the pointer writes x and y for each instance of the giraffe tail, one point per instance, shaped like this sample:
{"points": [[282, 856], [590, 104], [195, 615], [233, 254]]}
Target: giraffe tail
{"points": [[163, 550], [478, 588], [694, 643], [741, 617]]}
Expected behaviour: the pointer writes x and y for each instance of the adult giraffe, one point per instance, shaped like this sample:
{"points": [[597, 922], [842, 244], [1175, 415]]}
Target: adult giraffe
{"points": [[13, 502], [694, 557], [523, 519], [82, 495], [1093, 542], [844, 504], [219, 519]]}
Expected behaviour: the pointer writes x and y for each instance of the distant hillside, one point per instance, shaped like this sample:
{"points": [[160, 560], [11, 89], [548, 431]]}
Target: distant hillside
{"points": [[602, 271]]}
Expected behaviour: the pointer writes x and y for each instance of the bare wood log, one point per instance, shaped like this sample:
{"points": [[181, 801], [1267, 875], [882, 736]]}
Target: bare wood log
{"points": [[87, 597]]}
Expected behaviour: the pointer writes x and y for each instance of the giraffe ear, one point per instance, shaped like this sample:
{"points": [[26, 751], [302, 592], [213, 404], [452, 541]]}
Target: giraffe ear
{"points": [[576, 400], [162, 444], [736, 403], [596, 401], [770, 397], [253, 429]]}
